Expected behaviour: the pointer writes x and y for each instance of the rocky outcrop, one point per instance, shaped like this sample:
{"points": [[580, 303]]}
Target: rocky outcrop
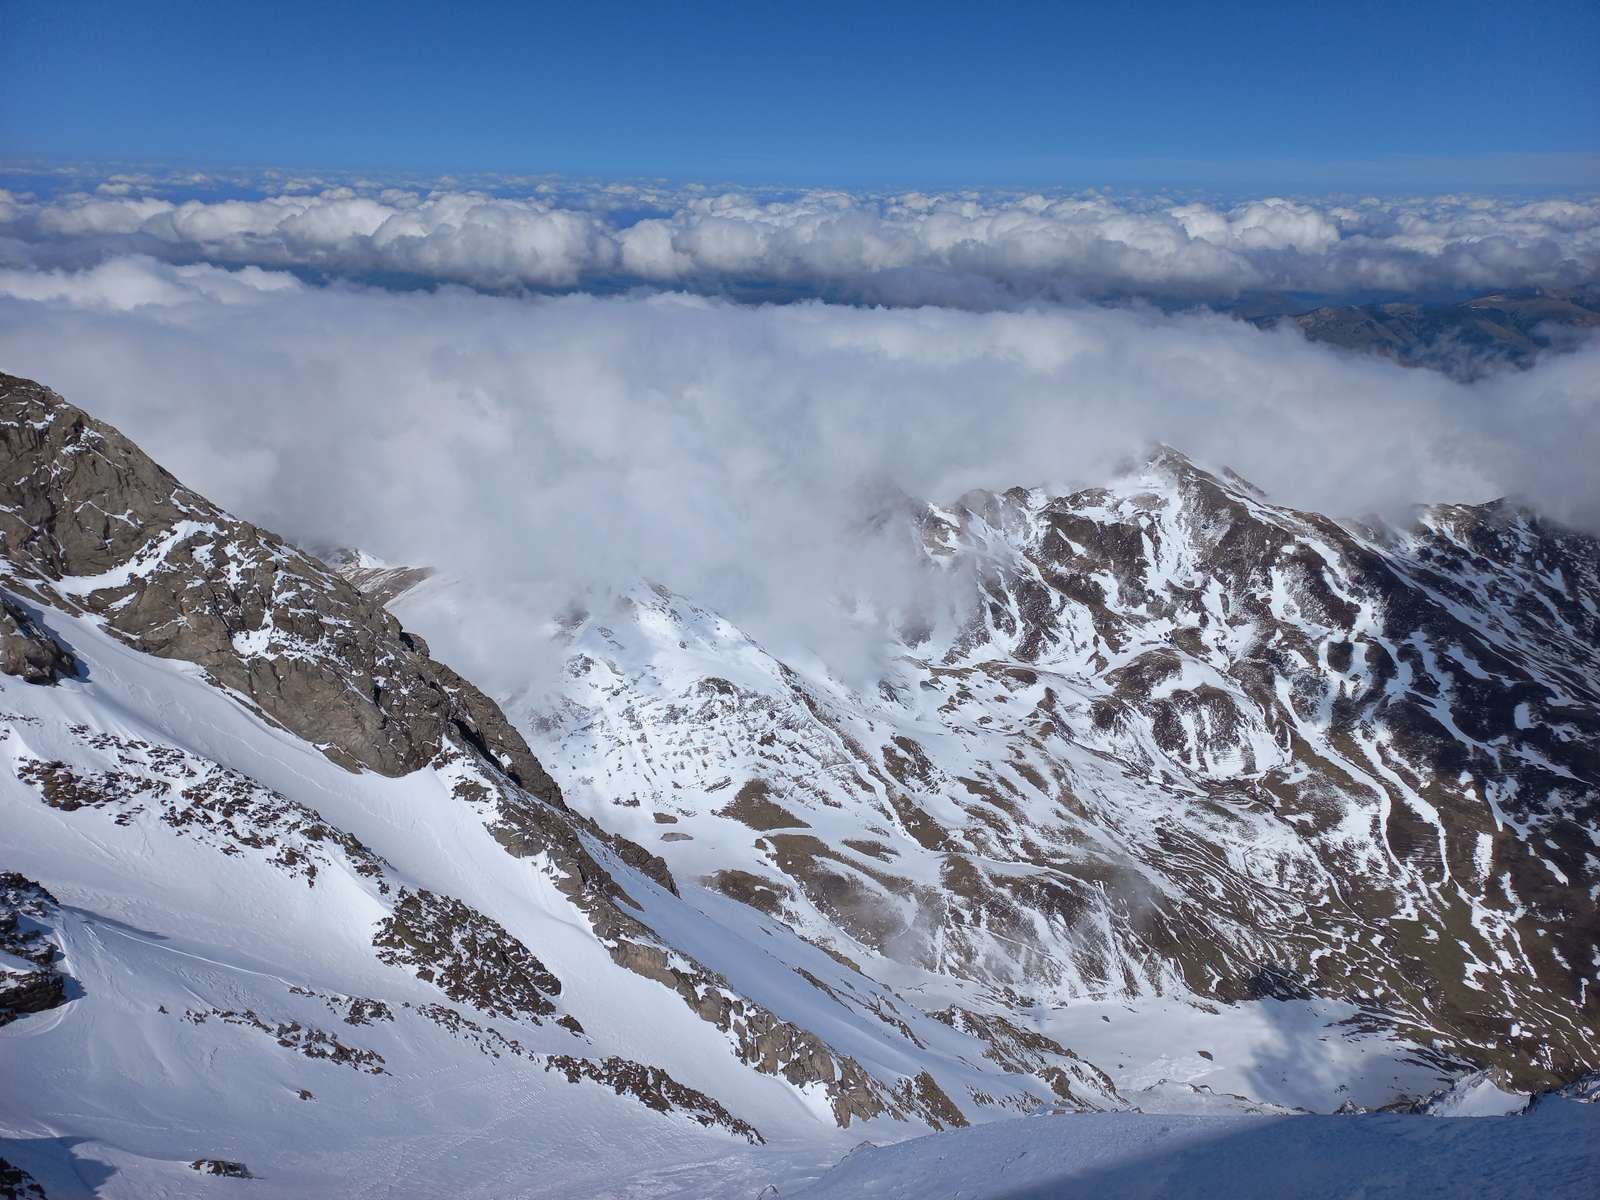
{"points": [[654, 1088], [307, 1041], [225, 1167], [471, 958], [88, 520], [28, 915], [27, 651], [24, 992], [1078, 1086], [17, 1184], [198, 799]]}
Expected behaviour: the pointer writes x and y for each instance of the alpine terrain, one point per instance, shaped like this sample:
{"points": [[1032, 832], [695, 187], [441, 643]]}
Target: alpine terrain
{"points": [[1168, 801]]}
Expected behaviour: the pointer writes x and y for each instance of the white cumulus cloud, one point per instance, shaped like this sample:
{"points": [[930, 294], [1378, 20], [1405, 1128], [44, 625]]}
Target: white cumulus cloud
{"points": [[965, 249], [729, 449]]}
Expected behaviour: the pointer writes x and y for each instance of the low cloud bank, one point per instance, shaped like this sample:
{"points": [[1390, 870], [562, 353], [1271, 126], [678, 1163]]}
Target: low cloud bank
{"points": [[540, 445], [970, 249]]}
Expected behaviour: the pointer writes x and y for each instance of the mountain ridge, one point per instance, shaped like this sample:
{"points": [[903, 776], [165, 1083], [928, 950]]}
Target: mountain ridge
{"points": [[1466, 339], [1369, 631], [1102, 839]]}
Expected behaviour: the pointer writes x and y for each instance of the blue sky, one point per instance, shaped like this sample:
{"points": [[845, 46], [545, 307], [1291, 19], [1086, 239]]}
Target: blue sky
{"points": [[1351, 95]]}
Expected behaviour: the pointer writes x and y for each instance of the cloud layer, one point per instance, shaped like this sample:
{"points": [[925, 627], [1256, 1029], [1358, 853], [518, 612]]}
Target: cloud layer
{"points": [[728, 450], [973, 250]]}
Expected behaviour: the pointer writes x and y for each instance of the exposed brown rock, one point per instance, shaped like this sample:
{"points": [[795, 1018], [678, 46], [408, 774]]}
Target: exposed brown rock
{"points": [[97, 523], [655, 1089], [470, 957], [27, 651], [751, 806]]}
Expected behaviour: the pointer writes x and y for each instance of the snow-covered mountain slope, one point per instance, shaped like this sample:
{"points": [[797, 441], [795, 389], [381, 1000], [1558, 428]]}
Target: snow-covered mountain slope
{"points": [[1193, 805], [281, 890], [1552, 1154], [1170, 746]]}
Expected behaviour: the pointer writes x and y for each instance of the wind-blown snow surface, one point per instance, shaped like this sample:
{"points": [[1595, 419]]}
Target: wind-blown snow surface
{"points": [[1552, 1154], [219, 968], [164, 935]]}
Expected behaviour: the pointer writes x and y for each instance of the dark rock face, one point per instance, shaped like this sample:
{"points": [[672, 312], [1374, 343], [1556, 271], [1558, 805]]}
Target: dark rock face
{"points": [[28, 914], [471, 958], [17, 1184], [88, 520], [27, 651], [29, 992], [199, 799], [655, 1089], [221, 1166], [292, 1035]]}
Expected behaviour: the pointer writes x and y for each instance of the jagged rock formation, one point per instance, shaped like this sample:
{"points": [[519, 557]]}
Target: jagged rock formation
{"points": [[221, 1166], [30, 975], [17, 1184], [654, 1087], [27, 651], [472, 958], [177, 577]]}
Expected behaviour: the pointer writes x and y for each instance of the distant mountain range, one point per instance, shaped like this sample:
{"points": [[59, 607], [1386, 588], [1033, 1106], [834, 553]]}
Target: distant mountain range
{"points": [[1464, 339]]}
